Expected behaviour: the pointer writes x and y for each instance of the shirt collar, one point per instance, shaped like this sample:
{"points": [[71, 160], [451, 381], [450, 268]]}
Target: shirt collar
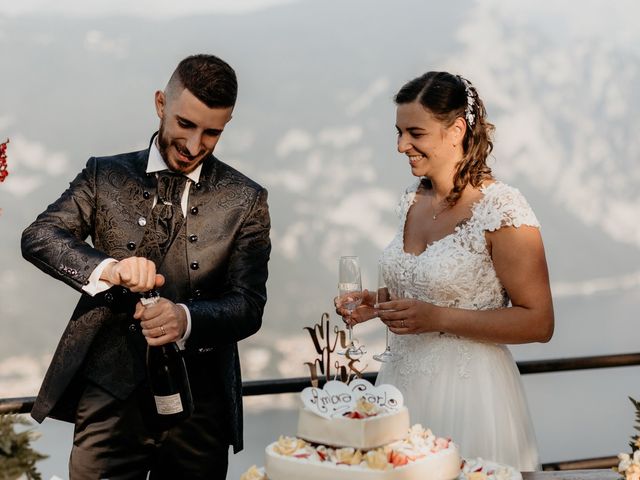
{"points": [[157, 164]]}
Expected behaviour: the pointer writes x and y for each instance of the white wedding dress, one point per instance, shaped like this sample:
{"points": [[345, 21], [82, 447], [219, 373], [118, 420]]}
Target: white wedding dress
{"points": [[460, 388]]}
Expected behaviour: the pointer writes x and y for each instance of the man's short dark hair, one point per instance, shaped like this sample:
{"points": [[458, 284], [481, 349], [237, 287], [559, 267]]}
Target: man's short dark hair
{"points": [[210, 79]]}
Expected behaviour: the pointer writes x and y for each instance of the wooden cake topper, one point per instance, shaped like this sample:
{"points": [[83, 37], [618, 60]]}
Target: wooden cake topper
{"points": [[325, 341]]}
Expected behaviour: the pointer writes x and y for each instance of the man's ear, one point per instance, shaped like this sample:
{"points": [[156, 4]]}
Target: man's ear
{"points": [[161, 102]]}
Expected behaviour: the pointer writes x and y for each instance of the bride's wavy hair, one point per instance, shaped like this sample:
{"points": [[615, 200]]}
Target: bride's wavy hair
{"points": [[448, 97]]}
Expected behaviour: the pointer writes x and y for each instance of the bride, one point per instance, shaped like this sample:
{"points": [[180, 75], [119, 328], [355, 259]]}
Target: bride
{"points": [[468, 272]]}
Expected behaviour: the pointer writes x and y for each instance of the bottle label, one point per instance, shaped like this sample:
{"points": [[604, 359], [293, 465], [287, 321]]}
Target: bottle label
{"points": [[168, 405]]}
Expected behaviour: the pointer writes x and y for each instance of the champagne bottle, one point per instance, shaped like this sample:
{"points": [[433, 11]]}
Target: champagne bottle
{"points": [[168, 380]]}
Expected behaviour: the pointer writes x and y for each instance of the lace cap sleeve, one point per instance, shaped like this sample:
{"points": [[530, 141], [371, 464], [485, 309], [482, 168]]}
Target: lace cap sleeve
{"points": [[407, 199], [505, 206]]}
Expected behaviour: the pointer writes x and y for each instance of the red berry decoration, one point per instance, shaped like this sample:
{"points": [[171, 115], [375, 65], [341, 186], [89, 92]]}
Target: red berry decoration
{"points": [[3, 161]]}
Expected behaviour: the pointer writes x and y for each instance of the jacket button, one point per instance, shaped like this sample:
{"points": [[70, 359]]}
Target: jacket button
{"points": [[198, 186], [142, 221], [197, 293], [146, 195], [195, 265], [194, 210], [131, 245], [132, 327], [193, 238], [108, 297], [124, 291]]}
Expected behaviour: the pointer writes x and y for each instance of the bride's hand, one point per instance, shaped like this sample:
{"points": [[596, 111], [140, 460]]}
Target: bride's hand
{"points": [[408, 316], [365, 311]]}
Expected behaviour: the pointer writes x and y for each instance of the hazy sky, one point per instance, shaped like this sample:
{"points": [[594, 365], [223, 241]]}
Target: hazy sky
{"points": [[559, 77], [143, 8], [586, 15]]}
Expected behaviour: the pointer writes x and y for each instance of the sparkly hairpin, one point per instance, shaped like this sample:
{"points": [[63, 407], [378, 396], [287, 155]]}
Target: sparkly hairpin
{"points": [[468, 111]]}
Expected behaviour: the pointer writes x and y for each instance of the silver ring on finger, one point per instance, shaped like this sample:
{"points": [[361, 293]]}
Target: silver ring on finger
{"points": [[402, 323], [162, 330]]}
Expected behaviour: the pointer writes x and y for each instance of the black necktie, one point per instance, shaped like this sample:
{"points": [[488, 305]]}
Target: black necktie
{"points": [[167, 214]]}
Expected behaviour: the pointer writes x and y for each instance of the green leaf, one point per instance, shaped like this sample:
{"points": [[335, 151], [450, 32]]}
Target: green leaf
{"points": [[634, 438], [16, 455]]}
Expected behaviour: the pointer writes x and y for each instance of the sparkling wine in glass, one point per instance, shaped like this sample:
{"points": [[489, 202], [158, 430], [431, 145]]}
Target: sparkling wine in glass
{"points": [[383, 295], [350, 292]]}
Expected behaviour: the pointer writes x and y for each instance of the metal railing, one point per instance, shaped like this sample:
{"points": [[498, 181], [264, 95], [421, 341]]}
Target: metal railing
{"points": [[297, 384]]}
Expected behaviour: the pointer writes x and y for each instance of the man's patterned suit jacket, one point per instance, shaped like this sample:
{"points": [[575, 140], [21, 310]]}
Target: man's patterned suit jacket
{"points": [[227, 250]]}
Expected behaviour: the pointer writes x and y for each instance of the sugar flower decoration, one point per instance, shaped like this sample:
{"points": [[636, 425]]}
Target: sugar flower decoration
{"points": [[287, 446], [254, 473]]}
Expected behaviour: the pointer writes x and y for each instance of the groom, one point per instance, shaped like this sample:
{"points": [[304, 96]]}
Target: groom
{"points": [[203, 242]]}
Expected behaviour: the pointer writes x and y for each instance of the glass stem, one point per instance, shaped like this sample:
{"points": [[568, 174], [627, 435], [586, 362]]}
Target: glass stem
{"points": [[350, 329], [387, 340]]}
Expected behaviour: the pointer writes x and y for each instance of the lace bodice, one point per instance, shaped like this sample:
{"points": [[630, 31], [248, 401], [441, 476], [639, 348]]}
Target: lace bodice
{"points": [[457, 271], [462, 388]]}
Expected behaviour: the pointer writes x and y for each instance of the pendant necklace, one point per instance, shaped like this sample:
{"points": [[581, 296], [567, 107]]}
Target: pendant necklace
{"points": [[433, 208]]}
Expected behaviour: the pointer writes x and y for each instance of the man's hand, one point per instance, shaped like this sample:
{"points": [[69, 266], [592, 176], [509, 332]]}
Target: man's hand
{"points": [[135, 273], [162, 322]]}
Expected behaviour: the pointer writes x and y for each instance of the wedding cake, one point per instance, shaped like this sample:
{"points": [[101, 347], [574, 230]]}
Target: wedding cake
{"points": [[357, 432], [356, 415]]}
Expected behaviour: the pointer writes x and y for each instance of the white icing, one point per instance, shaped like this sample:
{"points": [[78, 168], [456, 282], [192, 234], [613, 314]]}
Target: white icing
{"points": [[364, 433], [383, 440], [443, 465]]}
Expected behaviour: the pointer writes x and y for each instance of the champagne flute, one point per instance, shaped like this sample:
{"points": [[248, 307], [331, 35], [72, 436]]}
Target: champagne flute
{"points": [[350, 291], [382, 295]]}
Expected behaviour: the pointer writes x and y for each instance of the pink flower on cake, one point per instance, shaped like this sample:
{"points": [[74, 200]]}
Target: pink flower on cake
{"points": [[441, 444], [322, 452], [398, 459]]}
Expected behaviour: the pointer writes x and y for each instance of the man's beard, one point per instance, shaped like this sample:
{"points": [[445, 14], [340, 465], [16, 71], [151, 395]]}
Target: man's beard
{"points": [[175, 164], [163, 143]]}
